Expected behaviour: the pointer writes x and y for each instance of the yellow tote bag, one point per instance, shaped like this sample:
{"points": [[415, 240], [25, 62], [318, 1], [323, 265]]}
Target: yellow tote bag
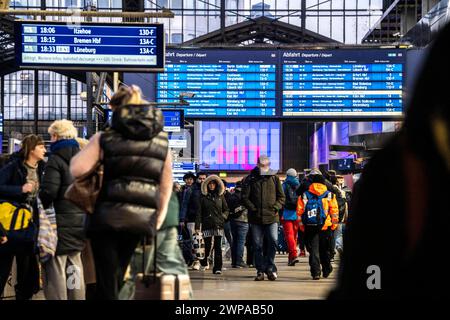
{"points": [[7, 211]]}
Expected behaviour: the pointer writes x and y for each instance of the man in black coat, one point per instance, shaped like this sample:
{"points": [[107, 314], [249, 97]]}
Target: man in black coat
{"points": [[263, 196], [192, 208]]}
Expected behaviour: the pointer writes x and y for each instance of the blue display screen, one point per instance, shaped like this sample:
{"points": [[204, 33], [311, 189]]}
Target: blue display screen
{"points": [[173, 119], [179, 169], [225, 83], [285, 83], [92, 46], [342, 83]]}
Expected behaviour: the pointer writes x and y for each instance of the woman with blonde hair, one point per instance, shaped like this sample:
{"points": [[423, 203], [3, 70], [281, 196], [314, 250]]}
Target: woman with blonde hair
{"points": [[70, 220], [137, 185]]}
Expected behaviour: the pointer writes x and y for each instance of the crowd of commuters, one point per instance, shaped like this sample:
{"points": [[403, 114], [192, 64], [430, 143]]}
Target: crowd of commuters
{"points": [[255, 208]]}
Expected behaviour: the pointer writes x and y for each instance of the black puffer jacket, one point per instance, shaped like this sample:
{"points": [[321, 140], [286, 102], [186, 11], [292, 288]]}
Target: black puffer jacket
{"points": [[70, 220], [263, 196], [193, 203], [134, 152], [212, 207]]}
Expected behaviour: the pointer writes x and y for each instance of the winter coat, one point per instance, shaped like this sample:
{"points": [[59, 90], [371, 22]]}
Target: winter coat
{"points": [[185, 199], [12, 177], [192, 202], [172, 213], [290, 214], [263, 196], [70, 220], [212, 208], [134, 152], [237, 210], [329, 205]]}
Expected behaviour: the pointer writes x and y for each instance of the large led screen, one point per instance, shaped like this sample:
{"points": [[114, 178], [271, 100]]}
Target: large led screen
{"points": [[350, 83], [229, 145], [225, 83]]}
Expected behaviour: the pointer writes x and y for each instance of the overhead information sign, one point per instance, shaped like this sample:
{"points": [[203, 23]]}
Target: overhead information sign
{"points": [[226, 83], [342, 83], [173, 120], [90, 46]]}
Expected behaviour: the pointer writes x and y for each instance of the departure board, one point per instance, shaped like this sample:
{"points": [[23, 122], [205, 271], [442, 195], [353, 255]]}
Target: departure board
{"points": [[90, 46], [355, 83], [225, 83]]}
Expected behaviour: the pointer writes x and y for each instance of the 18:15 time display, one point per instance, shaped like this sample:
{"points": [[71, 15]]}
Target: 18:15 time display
{"points": [[47, 39]]}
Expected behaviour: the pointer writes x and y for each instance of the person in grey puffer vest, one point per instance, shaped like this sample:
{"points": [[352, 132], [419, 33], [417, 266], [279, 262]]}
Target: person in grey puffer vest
{"points": [[137, 185]]}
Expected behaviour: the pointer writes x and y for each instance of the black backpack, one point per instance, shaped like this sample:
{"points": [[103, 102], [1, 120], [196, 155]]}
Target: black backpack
{"points": [[291, 198]]}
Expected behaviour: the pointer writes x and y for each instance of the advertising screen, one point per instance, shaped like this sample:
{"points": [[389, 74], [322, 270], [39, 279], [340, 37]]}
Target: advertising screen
{"points": [[355, 83], [225, 83], [224, 146], [91, 46]]}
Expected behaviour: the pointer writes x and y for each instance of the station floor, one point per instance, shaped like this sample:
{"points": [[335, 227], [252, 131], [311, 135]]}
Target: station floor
{"points": [[293, 283]]}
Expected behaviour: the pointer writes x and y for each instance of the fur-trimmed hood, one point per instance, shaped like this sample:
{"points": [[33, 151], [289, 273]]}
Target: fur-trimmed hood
{"points": [[220, 185]]}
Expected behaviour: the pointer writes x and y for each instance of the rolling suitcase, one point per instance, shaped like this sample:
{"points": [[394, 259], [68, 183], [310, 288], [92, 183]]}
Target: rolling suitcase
{"points": [[160, 286]]}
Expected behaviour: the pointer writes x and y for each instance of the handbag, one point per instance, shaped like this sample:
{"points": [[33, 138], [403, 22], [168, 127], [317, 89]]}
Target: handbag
{"points": [[84, 191], [198, 245], [47, 235], [17, 220]]}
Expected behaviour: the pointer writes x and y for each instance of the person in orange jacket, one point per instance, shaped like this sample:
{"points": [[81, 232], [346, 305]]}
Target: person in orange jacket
{"points": [[319, 214]]}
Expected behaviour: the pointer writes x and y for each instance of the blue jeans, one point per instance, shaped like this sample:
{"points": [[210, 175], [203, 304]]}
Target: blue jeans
{"points": [[339, 233], [239, 231], [228, 233], [268, 233]]}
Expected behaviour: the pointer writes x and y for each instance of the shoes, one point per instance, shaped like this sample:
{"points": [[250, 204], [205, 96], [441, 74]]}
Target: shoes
{"points": [[251, 265], [316, 277], [272, 276], [205, 267], [326, 274], [196, 265], [292, 263], [259, 276], [239, 266], [302, 253], [217, 272]]}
